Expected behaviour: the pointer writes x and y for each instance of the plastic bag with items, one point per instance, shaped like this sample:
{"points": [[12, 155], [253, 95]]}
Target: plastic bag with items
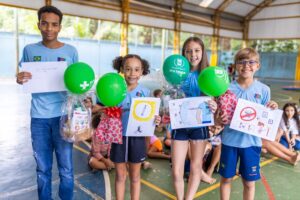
{"points": [[75, 123], [170, 93]]}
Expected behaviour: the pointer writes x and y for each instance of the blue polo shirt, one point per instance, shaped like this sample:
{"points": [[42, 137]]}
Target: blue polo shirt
{"points": [[48, 105], [257, 92]]}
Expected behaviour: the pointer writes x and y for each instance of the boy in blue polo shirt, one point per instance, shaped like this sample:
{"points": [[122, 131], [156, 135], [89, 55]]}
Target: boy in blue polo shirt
{"points": [[237, 145], [46, 108]]}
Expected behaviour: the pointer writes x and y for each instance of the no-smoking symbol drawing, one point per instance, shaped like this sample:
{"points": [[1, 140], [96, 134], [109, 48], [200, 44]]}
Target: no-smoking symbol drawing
{"points": [[248, 114]]}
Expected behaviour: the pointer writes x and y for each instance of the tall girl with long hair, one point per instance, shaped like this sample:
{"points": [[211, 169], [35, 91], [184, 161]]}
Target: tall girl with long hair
{"points": [[194, 50]]}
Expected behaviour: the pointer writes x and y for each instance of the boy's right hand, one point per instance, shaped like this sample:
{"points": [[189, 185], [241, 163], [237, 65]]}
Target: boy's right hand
{"points": [[23, 77]]}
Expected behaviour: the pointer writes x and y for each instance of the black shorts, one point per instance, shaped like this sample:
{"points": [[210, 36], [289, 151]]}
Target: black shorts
{"points": [[133, 149]]}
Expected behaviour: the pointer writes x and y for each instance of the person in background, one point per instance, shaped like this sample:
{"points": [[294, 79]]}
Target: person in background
{"points": [[155, 149], [214, 144], [289, 127], [157, 94], [99, 157]]}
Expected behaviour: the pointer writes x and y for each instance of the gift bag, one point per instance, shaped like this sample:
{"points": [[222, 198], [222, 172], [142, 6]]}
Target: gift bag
{"points": [[227, 103], [75, 123]]}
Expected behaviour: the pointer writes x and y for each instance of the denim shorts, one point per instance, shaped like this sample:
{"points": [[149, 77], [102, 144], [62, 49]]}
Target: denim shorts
{"points": [[190, 133]]}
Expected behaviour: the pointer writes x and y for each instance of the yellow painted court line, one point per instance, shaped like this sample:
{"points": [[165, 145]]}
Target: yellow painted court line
{"points": [[268, 161], [105, 173], [217, 185], [81, 149], [198, 194], [87, 144], [152, 186]]}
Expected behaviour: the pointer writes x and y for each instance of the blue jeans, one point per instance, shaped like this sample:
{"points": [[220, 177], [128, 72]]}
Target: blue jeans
{"points": [[46, 138]]}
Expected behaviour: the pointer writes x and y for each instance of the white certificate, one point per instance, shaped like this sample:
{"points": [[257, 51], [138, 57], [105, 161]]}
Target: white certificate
{"points": [[46, 76], [190, 112], [141, 117], [256, 119]]}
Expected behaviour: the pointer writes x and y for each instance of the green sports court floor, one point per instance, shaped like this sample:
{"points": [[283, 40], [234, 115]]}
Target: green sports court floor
{"points": [[17, 167]]}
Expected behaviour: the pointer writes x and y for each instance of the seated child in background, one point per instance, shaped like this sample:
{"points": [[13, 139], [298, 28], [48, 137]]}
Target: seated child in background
{"points": [[94, 108], [99, 153], [214, 145], [167, 138], [157, 94], [204, 176], [280, 151], [289, 127], [88, 102], [155, 149]]}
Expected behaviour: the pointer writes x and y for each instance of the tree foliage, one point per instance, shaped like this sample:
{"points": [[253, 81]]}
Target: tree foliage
{"points": [[275, 45], [79, 27], [7, 19]]}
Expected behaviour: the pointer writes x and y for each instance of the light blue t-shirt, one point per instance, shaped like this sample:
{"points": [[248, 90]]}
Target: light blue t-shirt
{"points": [[139, 91], [48, 105], [257, 93], [190, 85]]}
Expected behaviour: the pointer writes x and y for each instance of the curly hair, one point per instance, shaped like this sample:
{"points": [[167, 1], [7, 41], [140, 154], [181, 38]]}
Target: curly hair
{"points": [[119, 62]]}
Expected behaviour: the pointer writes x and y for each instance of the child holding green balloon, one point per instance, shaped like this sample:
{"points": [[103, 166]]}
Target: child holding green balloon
{"points": [[132, 151], [237, 145], [194, 50]]}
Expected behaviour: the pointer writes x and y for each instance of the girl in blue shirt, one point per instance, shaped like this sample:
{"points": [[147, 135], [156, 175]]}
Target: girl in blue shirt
{"points": [[193, 138], [133, 149]]}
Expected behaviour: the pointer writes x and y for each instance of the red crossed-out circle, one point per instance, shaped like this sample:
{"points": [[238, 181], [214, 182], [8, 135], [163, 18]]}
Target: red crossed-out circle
{"points": [[248, 114]]}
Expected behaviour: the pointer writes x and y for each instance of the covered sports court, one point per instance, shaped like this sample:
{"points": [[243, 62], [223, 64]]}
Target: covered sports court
{"points": [[154, 29]]}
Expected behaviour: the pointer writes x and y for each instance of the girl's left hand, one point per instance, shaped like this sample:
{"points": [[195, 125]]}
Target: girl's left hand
{"points": [[157, 119], [272, 104], [212, 106]]}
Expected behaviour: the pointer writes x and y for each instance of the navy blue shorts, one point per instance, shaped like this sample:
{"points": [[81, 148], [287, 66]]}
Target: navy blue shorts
{"points": [[249, 162], [191, 133], [133, 149]]}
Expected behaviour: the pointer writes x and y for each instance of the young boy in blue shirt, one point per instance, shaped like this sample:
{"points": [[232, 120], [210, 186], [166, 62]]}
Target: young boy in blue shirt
{"points": [[237, 145], [46, 108]]}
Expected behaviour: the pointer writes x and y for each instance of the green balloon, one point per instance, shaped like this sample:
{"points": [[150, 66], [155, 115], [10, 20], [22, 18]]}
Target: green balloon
{"points": [[111, 89], [213, 81], [176, 69], [79, 78]]}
